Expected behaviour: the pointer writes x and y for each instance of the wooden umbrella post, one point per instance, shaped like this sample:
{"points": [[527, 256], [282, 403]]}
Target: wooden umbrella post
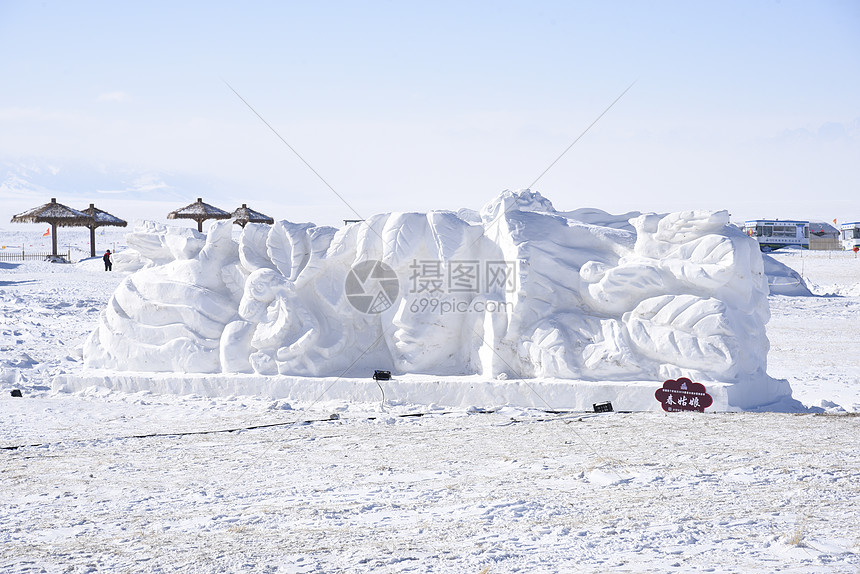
{"points": [[92, 211], [100, 219]]}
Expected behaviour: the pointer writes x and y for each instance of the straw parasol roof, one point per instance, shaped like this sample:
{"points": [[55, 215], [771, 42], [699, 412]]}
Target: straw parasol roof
{"points": [[100, 219], [58, 215], [199, 212], [245, 215]]}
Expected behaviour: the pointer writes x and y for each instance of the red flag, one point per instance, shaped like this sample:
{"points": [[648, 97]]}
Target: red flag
{"points": [[834, 221], [47, 232]]}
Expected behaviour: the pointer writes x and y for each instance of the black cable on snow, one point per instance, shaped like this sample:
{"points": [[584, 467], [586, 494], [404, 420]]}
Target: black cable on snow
{"points": [[332, 418]]}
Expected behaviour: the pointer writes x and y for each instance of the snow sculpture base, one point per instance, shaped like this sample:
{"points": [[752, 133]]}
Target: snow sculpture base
{"points": [[448, 391]]}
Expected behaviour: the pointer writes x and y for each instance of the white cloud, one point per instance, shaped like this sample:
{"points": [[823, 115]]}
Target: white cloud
{"points": [[23, 114], [117, 96], [141, 184]]}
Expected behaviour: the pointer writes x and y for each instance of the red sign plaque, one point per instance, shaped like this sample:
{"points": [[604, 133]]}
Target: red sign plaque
{"points": [[683, 395]]}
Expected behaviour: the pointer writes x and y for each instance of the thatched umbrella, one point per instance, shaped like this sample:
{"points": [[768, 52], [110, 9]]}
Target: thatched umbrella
{"points": [[58, 215], [199, 212], [245, 215], [100, 219]]}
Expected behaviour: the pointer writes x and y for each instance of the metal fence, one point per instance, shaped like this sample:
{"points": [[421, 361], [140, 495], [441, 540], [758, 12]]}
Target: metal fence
{"points": [[15, 255]]}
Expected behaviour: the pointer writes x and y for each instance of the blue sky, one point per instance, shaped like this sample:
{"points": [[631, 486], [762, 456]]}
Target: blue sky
{"points": [[749, 106]]}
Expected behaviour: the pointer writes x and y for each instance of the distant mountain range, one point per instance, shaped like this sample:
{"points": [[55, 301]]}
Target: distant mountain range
{"points": [[830, 132], [37, 178], [30, 182]]}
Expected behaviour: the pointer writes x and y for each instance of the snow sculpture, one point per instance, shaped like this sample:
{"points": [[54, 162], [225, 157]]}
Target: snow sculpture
{"points": [[783, 280], [517, 290]]}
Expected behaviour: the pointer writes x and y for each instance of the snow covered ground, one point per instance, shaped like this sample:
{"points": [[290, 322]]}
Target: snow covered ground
{"points": [[814, 340], [109, 481]]}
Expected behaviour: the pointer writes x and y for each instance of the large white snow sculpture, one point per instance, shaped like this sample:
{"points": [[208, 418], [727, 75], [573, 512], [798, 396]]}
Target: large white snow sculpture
{"points": [[517, 290]]}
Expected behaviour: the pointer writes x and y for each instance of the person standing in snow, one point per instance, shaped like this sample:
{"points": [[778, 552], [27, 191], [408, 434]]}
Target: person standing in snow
{"points": [[108, 262]]}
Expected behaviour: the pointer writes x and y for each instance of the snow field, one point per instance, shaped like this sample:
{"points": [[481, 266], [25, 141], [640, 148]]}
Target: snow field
{"points": [[380, 489], [501, 492], [826, 273], [814, 340]]}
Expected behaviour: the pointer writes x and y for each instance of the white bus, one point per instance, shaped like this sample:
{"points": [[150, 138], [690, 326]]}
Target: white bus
{"points": [[850, 233], [772, 234]]}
